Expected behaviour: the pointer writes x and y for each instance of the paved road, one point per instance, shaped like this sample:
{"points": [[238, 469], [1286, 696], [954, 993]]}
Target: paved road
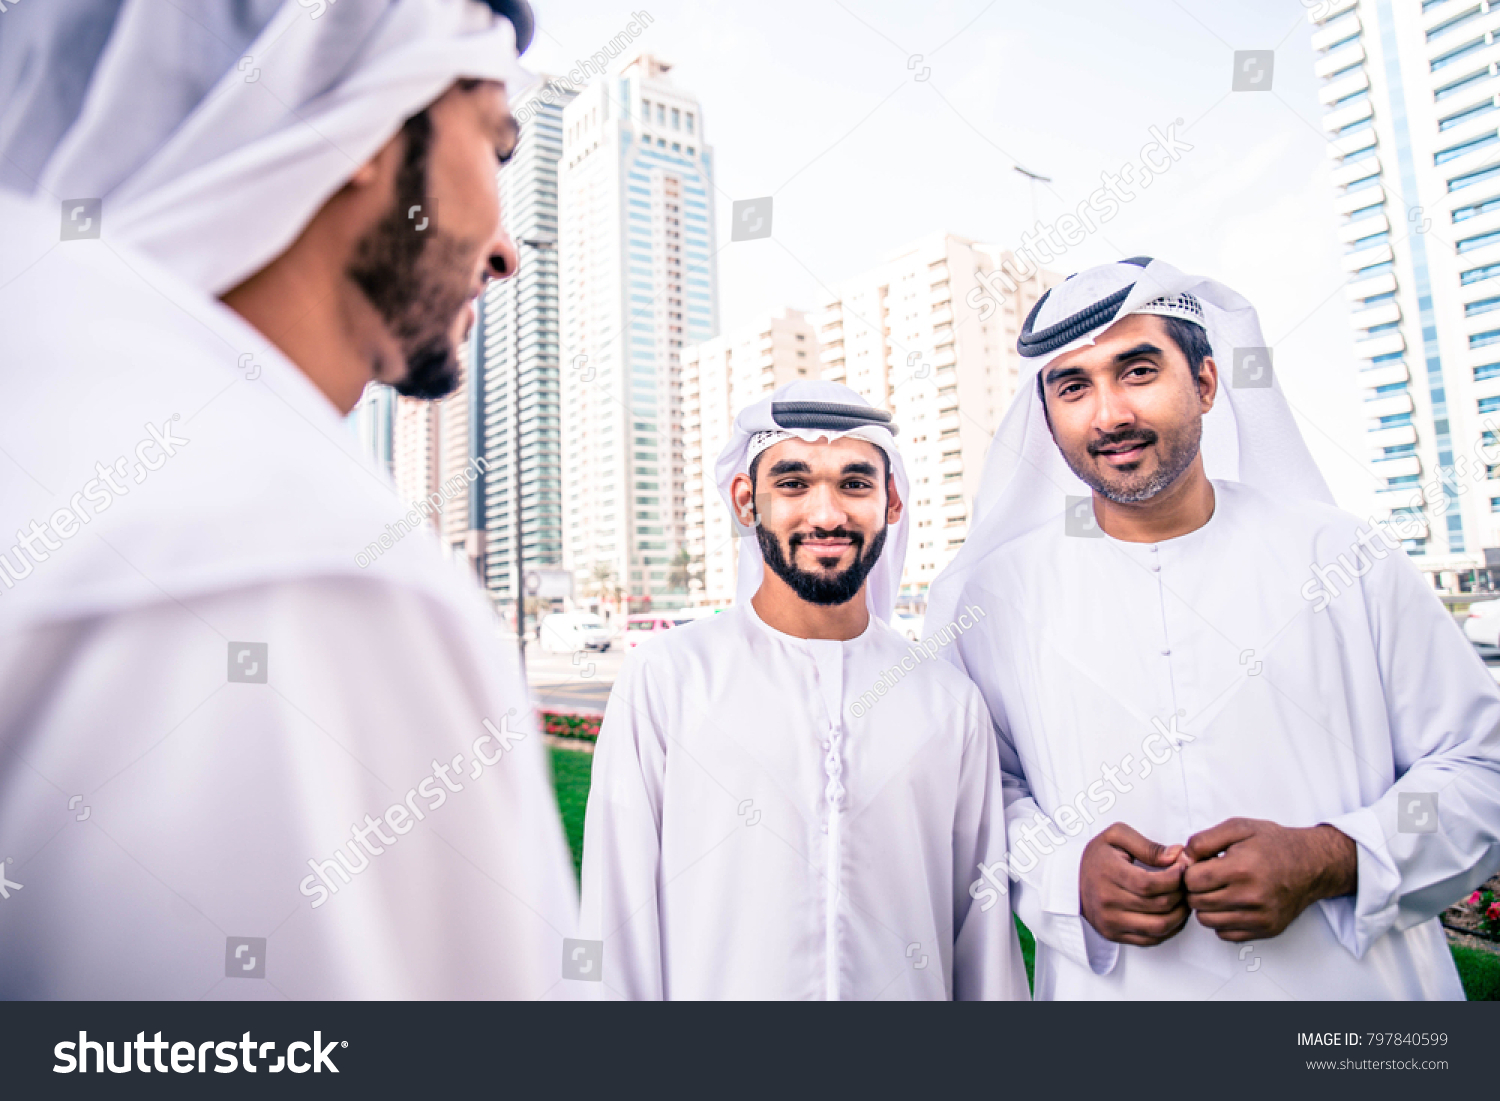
{"points": [[572, 682]]}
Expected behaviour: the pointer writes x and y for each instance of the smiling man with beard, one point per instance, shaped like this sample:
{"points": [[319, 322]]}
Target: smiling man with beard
{"points": [[1216, 787], [752, 831]]}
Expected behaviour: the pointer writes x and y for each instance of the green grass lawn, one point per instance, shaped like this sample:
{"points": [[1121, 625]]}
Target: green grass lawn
{"points": [[570, 778], [1479, 971]]}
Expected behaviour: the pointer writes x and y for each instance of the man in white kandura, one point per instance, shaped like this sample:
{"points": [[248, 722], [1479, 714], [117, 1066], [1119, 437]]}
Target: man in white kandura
{"points": [[1221, 782], [754, 829], [233, 762]]}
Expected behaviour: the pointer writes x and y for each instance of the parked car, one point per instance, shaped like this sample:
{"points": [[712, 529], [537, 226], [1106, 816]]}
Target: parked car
{"points": [[643, 625], [909, 625], [564, 632], [1483, 625]]}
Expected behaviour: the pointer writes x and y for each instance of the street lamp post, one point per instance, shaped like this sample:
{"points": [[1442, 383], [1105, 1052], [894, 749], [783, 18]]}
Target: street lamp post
{"points": [[540, 245], [1034, 178]]}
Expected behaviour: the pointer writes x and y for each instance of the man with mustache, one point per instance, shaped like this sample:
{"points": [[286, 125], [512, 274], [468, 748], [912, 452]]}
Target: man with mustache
{"points": [[1222, 781], [789, 800], [238, 759]]}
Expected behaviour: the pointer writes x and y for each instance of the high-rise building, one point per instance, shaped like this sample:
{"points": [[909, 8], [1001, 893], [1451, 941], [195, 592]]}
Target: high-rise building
{"points": [[373, 420], [519, 317], [1411, 110], [460, 526], [636, 244], [415, 446], [719, 378], [930, 334]]}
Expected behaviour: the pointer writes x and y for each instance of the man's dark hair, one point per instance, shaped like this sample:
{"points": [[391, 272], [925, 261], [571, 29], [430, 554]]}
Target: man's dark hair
{"points": [[1191, 340]]}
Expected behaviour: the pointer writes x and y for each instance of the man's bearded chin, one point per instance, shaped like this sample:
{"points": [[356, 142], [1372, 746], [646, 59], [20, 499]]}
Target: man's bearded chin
{"points": [[839, 588], [1175, 452], [417, 283], [432, 372]]}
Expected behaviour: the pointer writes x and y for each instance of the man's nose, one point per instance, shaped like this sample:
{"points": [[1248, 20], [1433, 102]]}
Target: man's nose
{"points": [[1112, 411], [505, 259], [824, 511]]}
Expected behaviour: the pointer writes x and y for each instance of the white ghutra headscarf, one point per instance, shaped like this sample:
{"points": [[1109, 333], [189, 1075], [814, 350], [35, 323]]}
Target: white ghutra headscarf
{"points": [[809, 410], [214, 130], [1249, 436]]}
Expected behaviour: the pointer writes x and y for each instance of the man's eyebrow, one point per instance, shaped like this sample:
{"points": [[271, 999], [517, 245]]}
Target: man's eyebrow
{"points": [[1145, 348], [789, 466], [1058, 373], [860, 467]]}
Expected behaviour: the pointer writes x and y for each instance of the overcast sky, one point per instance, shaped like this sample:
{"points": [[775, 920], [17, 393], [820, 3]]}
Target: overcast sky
{"points": [[817, 103]]}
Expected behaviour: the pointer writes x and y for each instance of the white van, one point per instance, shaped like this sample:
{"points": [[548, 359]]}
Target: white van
{"points": [[564, 632]]}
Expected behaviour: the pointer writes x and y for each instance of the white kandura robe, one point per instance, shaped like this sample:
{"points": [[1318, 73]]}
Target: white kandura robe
{"points": [[1295, 715], [202, 801], [748, 837]]}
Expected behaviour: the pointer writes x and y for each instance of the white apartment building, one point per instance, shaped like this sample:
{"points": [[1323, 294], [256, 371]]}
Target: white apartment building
{"points": [[923, 335], [636, 229], [719, 378], [415, 446], [461, 524], [1410, 99]]}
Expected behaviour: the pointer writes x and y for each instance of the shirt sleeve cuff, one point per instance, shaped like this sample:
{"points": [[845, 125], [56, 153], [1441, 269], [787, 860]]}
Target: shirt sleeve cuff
{"points": [[1358, 920], [1103, 954], [1068, 931]]}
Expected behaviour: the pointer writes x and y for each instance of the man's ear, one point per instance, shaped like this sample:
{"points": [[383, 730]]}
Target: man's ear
{"points": [[894, 505], [384, 163], [365, 174], [1208, 383], [743, 494]]}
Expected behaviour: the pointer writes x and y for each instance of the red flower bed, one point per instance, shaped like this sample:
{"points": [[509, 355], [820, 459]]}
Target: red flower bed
{"points": [[1486, 905], [569, 724]]}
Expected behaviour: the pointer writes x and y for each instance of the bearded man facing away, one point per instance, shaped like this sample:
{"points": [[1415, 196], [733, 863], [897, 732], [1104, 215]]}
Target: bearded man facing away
{"points": [[233, 762]]}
